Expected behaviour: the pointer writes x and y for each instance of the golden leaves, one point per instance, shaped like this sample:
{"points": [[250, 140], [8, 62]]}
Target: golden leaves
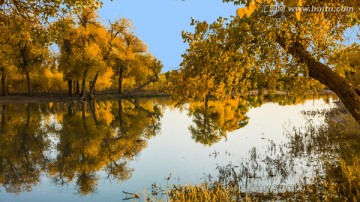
{"points": [[301, 2], [254, 5], [290, 3], [248, 10], [241, 12], [298, 13]]}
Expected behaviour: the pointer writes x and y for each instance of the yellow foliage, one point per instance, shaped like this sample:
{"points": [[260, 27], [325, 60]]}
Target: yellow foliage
{"points": [[104, 109], [290, 3], [48, 74], [105, 80], [214, 119], [298, 14], [92, 149], [59, 117]]}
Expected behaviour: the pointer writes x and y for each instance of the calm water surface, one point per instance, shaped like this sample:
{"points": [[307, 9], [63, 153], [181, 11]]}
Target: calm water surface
{"points": [[94, 152]]}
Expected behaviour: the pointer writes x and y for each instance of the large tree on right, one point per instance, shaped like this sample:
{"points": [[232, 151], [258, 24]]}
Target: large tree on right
{"points": [[268, 48]]}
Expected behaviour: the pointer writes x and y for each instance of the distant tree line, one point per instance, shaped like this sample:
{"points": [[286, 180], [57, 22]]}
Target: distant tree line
{"points": [[74, 53]]}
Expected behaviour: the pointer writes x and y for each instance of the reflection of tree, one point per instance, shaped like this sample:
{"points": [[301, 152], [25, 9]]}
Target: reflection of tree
{"points": [[87, 138], [23, 144], [215, 118], [78, 150], [91, 141], [283, 100], [137, 119]]}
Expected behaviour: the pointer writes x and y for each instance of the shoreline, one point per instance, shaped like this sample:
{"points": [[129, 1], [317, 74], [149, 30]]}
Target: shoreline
{"points": [[60, 97], [63, 97]]}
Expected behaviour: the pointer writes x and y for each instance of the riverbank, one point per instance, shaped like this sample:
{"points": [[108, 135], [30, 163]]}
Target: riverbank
{"points": [[266, 92], [62, 97]]}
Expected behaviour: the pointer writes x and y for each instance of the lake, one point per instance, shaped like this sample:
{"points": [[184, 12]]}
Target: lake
{"points": [[105, 150]]}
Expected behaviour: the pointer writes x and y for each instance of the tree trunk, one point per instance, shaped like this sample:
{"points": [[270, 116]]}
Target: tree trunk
{"points": [[77, 88], [143, 85], [92, 87], [3, 84], [28, 83], [326, 76], [25, 67], [121, 70], [70, 93], [83, 85]]}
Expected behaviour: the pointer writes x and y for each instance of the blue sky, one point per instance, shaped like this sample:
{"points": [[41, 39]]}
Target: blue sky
{"points": [[159, 22]]}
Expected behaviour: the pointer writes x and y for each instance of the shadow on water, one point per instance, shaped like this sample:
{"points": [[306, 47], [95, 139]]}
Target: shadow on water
{"points": [[73, 142]]}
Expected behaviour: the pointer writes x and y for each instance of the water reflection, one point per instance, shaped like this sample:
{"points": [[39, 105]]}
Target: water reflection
{"points": [[317, 160], [87, 137], [78, 144], [22, 156], [213, 119]]}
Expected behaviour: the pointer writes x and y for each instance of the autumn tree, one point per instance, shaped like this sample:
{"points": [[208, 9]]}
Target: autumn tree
{"points": [[36, 14], [28, 9], [28, 43], [89, 50], [26, 57], [124, 46], [62, 30], [82, 49], [347, 63], [6, 53], [267, 50], [144, 69], [89, 56], [128, 56], [119, 52]]}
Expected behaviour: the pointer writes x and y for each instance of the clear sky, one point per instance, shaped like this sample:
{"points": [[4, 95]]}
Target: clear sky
{"points": [[159, 22]]}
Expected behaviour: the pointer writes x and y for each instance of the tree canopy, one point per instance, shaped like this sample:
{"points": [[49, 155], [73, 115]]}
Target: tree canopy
{"points": [[275, 50], [91, 55]]}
